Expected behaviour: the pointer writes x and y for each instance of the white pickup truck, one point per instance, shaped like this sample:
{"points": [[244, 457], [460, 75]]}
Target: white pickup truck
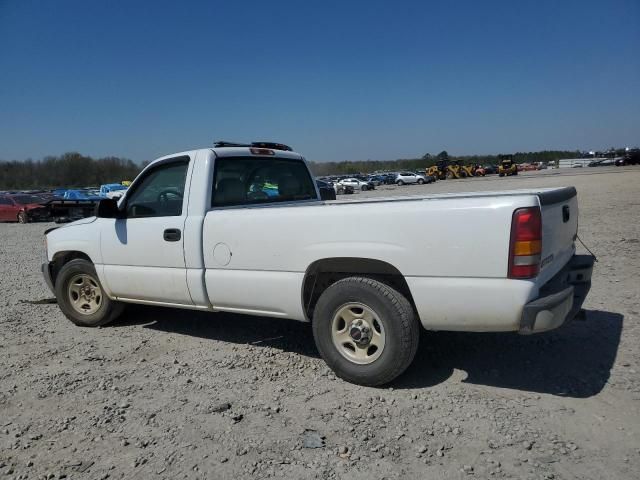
{"points": [[242, 228]]}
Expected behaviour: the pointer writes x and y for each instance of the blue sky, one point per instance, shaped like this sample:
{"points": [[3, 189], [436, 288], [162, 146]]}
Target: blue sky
{"points": [[336, 80]]}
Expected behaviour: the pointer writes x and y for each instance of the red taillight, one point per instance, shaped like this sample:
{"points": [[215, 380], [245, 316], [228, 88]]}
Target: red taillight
{"points": [[525, 246]]}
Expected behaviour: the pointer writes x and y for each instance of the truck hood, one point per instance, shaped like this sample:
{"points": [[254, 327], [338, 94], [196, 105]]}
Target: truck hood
{"points": [[82, 221]]}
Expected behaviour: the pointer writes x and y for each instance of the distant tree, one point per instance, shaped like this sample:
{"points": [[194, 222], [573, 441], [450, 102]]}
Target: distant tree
{"points": [[68, 170], [443, 155]]}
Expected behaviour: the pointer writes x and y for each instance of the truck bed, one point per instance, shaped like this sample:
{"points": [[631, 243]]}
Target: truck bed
{"points": [[452, 249], [546, 195]]}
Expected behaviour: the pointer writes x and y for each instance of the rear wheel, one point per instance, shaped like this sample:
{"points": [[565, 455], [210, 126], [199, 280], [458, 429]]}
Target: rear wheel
{"points": [[81, 297], [22, 217], [365, 330], [364, 188], [420, 181]]}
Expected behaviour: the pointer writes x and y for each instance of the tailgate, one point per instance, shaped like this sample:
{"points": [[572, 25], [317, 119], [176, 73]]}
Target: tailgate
{"points": [[559, 209]]}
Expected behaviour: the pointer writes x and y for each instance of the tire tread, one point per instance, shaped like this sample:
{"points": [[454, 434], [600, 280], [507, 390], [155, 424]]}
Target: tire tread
{"points": [[410, 331]]}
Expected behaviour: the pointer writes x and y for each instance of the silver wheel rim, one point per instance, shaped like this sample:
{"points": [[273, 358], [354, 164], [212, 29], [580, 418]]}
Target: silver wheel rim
{"points": [[358, 333], [85, 294]]}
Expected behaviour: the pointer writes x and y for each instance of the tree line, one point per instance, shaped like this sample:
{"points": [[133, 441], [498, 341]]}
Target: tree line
{"points": [[67, 170], [427, 160], [76, 170]]}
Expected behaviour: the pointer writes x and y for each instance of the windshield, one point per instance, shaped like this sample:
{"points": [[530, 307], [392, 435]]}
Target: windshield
{"points": [[26, 199]]}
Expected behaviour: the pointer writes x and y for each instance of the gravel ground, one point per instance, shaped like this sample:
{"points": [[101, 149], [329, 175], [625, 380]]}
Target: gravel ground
{"points": [[181, 394]]}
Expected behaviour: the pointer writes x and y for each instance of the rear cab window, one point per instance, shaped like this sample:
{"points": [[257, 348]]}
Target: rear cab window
{"points": [[253, 181]]}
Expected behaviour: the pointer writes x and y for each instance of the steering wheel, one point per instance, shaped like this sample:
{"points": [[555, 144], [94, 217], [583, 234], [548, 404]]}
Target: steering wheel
{"points": [[257, 195], [163, 196]]}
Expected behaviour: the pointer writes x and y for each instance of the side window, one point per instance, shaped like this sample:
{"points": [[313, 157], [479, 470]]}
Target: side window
{"points": [[161, 191], [4, 201], [251, 180]]}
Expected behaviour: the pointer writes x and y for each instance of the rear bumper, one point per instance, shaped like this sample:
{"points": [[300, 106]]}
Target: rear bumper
{"points": [[46, 273], [560, 299]]}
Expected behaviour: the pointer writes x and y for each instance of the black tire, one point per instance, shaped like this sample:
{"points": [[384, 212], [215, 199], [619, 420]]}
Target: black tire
{"points": [[22, 217], [501, 174], [402, 330], [108, 309], [515, 173], [400, 183], [364, 188], [420, 181]]}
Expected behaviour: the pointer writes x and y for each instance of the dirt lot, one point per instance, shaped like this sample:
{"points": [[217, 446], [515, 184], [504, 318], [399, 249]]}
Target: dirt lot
{"points": [[177, 394]]}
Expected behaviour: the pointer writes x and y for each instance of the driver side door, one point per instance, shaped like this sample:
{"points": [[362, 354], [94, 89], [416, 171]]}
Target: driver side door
{"points": [[143, 253]]}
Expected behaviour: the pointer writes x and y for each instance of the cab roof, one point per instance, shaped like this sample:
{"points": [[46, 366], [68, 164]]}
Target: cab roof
{"points": [[231, 149]]}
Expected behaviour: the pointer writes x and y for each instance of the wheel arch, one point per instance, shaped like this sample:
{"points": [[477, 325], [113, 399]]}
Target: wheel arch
{"points": [[325, 272], [63, 257]]}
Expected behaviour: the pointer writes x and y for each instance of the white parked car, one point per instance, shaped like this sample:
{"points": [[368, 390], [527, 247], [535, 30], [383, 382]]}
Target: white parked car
{"points": [[357, 184], [243, 229], [408, 177]]}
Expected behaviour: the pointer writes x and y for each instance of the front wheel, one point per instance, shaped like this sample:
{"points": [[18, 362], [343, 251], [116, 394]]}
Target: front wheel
{"points": [[420, 181], [365, 331], [81, 297], [22, 217], [400, 183], [364, 188]]}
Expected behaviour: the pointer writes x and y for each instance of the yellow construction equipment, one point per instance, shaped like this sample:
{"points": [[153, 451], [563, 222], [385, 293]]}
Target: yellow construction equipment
{"points": [[468, 170], [507, 166], [455, 170], [438, 171]]}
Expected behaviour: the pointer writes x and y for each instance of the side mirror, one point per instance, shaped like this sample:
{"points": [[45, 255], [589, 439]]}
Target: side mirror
{"points": [[108, 208], [327, 193]]}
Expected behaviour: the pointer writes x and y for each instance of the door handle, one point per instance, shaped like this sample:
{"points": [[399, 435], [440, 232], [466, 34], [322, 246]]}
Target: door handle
{"points": [[172, 234]]}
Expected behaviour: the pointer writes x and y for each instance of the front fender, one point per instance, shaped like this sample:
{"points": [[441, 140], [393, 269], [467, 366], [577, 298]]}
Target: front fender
{"points": [[76, 237]]}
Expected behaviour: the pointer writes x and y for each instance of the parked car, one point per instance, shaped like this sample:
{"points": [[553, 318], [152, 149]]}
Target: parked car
{"points": [[527, 167], [631, 157], [81, 194], [22, 208], [409, 178], [357, 184], [342, 189], [377, 180], [490, 169], [200, 244], [112, 190]]}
